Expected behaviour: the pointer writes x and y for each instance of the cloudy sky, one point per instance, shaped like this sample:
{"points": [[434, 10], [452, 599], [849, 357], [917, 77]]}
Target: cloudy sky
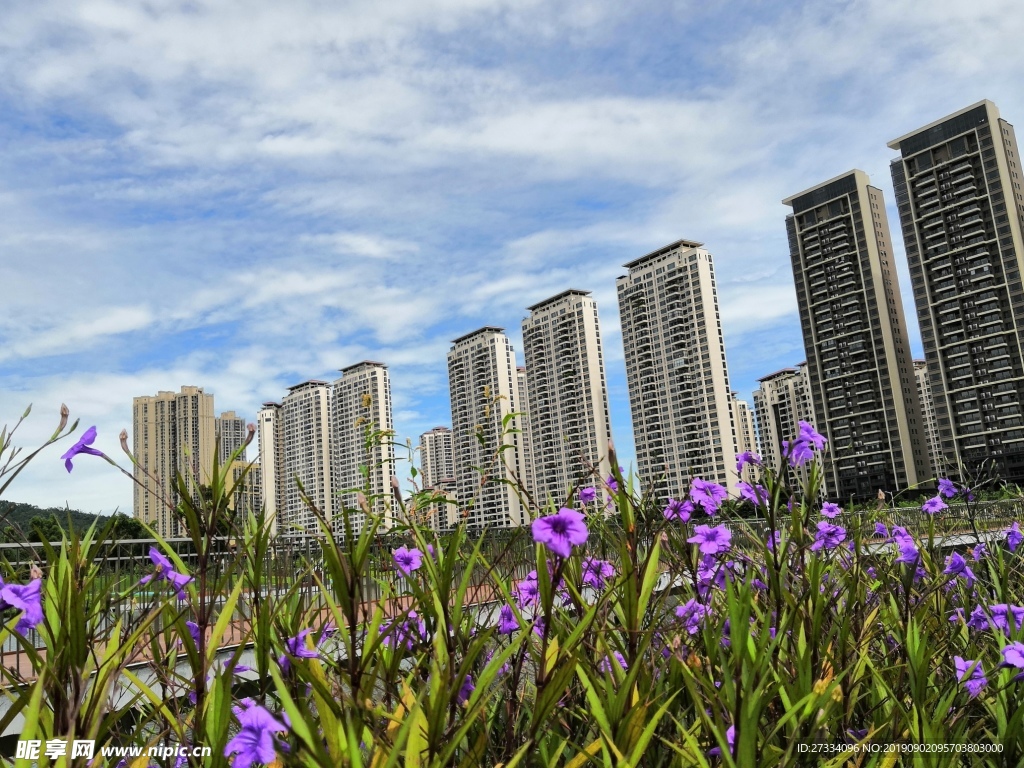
{"points": [[245, 195]]}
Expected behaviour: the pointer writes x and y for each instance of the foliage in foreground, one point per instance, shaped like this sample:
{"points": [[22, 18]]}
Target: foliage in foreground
{"points": [[643, 636]]}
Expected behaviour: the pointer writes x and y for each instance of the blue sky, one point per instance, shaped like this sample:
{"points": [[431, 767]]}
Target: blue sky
{"points": [[243, 196]]}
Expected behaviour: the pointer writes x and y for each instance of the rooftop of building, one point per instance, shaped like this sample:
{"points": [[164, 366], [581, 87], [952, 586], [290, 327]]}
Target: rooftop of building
{"points": [[662, 251], [311, 382], [837, 186], [372, 363], [485, 329], [779, 372], [895, 143], [558, 297]]}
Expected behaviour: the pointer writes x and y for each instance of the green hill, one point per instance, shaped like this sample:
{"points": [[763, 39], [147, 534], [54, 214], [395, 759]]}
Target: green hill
{"points": [[19, 521]]}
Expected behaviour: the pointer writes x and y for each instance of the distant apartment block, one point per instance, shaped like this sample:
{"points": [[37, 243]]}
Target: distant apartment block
{"points": [[855, 336], [678, 381], [361, 405], [958, 190], [437, 467], [248, 482], [172, 433], [931, 426], [305, 446], [746, 437], [781, 402], [568, 395], [526, 462], [231, 433], [271, 448], [482, 382]]}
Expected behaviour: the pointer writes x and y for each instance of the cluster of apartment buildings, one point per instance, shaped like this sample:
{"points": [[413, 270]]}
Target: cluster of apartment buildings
{"points": [[535, 431]]}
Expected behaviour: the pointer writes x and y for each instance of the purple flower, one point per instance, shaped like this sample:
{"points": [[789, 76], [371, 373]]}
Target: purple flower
{"points": [[934, 505], [947, 487], [193, 630], [908, 550], [507, 621], [561, 531], [755, 494], [254, 743], [588, 495], [1014, 537], [678, 510], [296, 647], [707, 494], [774, 540], [830, 510], [165, 572], [82, 446], [612, 483], [526, 592], [605, 664], [971, 670], [730, 739], [1002, 614], [693, 614], [747, 458], [407, 560], [465, 691], [709, 574], [828, 536], [1013, 656], [881, 530], [406, 634], [597, 572], [26, 598], [979, 619], [711, 540], [801, 449], [957, 566]]}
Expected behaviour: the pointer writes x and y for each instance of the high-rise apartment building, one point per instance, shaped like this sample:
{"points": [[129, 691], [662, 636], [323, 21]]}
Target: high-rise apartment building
{"points": [[361, 461], [172, 433], [746, 437], [305, 448], [272, 478], [568, 395], [781, 402], [527, 468], [931, 426], [855, 336], [231, 433], [959, 193], [676, 370], [482, 381], [437, 467], [248, 482]]}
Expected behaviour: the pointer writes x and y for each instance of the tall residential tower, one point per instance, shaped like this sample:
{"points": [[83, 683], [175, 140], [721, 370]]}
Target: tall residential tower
{"points": [[568, 395], [362, 443], [172, 433], [855, 336], [958, 190], [781, 402], [305, 448], [675, 368], [482, 381]]}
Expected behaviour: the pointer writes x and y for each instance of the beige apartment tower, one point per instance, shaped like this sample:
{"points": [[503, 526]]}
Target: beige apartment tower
{"points": [[528, 473], [959, 193], [678, 380], [305, 456], [361, 461], [858, 358], [172, 433], [271, 464], [931, 426], [437, 467], [746, 437], [231, 433], [781, 402], [482, 381], [568, 396]]}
